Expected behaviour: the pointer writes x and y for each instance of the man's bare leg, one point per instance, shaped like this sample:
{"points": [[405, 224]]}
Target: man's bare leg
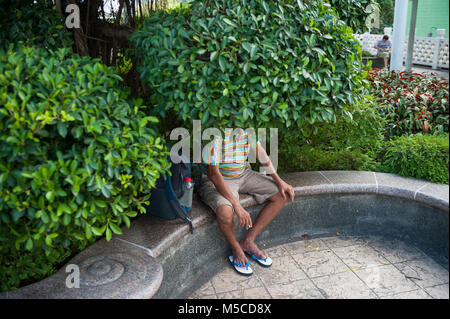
{"points": [[267, 214], [225, 221]]}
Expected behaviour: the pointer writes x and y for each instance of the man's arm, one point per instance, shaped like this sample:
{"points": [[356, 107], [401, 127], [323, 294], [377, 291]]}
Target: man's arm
{"points": [[286, 190], [217, 179]]}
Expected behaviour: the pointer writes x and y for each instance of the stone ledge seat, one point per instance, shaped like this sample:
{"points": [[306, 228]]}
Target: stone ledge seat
{"points": [[157, 258]]}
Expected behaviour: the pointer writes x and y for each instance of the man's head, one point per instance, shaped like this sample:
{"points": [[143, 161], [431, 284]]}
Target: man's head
{"points": [[385, 38]]}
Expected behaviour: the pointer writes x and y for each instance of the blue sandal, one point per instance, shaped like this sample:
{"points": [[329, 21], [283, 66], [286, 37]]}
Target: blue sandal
{"points": [[241, 268], [265, 262]]}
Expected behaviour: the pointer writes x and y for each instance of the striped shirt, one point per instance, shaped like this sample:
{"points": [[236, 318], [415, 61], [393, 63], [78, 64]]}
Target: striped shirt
{"points": [[230, 153]]}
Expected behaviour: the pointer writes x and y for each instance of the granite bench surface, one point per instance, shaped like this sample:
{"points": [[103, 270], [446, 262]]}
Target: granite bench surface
{"points": [[128, 266]]}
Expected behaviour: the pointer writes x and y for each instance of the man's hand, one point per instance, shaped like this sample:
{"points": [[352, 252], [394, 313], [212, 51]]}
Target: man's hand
{"points": [[286, 190], [243, 216]]}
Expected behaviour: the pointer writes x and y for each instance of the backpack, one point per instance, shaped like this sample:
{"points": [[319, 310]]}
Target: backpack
{"points": [[169, 189]]}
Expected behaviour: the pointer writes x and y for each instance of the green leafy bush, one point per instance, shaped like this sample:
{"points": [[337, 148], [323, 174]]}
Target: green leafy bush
{"points": [[419, 156], [32, 22], [348, 144], [238, 63], [77, 158]]}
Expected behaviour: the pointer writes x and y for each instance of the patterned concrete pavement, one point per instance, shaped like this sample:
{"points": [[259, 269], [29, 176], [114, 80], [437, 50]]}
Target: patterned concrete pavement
{"points": [[338, 267]]}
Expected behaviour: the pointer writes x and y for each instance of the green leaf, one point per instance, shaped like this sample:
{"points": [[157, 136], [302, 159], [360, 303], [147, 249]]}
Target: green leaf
{"points": [[246, 68], [274, 96], [126, 220], [228, 21], [115, 229], [255, 79], [62, 128], [253, 51], [305, 62], [29, 244], [97, 231], [77, 132], [213, 55], [222, 63], [108, 234], [100, 203], [48, 241], [105, 191], [247, 46], [50, 195], [264, 82], [66, 219]]}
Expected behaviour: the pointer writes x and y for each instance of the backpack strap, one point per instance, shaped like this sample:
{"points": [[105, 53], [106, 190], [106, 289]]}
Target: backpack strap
{"points": [[175, 204]]}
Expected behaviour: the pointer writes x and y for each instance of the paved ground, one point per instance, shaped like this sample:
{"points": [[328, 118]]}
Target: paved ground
{"points": [[336, 267], [423, 69]]}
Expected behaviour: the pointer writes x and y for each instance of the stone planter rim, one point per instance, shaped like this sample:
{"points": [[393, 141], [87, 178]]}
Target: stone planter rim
{"points": [[142, 249]]}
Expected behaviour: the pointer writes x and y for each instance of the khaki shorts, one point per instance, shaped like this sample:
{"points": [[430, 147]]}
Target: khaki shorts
{"points": [[383, 54], [250, 182]]}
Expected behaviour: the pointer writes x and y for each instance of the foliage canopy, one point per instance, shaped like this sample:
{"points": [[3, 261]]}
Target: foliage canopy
{"points": [[236, 62]]}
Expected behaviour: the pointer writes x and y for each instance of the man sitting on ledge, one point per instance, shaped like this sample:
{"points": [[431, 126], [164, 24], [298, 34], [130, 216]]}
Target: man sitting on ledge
{"points": [[384, 47], [228, 174]]}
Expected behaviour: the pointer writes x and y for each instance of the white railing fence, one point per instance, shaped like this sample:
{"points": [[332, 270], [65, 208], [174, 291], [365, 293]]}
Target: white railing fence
{"points": [[427, 51]]}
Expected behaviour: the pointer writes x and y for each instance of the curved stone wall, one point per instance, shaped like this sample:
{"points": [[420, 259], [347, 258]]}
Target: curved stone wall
{"points": [[162, 259]]}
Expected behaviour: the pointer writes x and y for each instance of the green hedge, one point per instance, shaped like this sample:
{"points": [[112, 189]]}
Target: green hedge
{"points": [[242, 63], [348, 144], [77, 158], [419, 156]]}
